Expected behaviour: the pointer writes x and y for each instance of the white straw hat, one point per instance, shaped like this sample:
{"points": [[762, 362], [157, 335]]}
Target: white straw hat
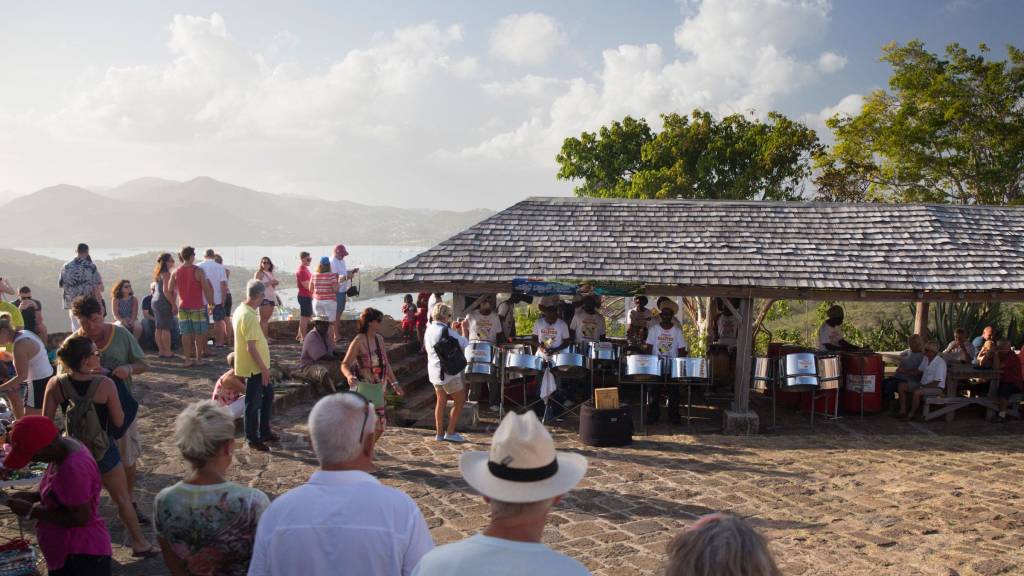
{"points": [[522, 465]]}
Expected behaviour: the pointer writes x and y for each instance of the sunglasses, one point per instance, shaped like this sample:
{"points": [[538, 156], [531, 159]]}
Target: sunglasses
{"points": [[366, 411]]}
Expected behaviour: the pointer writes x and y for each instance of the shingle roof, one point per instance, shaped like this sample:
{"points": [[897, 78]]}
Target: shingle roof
{"points": [[786, 246]]}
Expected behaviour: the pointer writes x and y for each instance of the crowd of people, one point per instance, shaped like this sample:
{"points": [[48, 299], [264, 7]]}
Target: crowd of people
{"points": [[342, 516]]}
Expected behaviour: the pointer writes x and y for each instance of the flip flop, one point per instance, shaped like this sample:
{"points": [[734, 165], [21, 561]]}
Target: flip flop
{"points": [[148, 553]]}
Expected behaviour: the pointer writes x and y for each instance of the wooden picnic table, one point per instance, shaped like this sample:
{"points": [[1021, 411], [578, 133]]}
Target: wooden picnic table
{"points": [[957, 372]]}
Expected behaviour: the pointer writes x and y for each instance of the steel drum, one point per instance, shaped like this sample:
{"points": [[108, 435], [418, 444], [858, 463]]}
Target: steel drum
{"points": [[800, 372], [688, 368], [643, 367], [829, 372], [762, 376], [602, 354], [481, 362], [569, 361], [521, 361]]}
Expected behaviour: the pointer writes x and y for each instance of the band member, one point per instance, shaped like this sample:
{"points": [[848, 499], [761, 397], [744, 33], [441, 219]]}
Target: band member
{"points": [[666, 340], [550, 336], [637, 322], [727, 326], [588, 323], [484, 325], [830, 335]]}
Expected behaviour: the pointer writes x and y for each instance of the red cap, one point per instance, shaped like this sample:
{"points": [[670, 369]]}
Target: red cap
{"points": [[341, 248], [30, 435]]}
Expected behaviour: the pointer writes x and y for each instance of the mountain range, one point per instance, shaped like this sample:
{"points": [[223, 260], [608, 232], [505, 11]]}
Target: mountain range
{"points": [[204, 211]]}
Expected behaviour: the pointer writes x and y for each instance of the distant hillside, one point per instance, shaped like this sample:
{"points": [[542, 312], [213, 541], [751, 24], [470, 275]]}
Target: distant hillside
{"points": [[202, 211]]}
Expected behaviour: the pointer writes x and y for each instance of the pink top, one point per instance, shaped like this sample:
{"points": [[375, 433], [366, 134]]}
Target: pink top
{"points": [[221, 394], [325, 286], [74, 482], [302, 276], [190, 291], [268, 278]]}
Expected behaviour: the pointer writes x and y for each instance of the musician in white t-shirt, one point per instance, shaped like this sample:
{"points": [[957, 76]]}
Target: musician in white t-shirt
{"points": [[484, 325], [830, 335], [551, 336], [587, 324], [666, 340]]}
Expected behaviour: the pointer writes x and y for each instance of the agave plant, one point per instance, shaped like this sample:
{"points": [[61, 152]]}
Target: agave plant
{"points": [[971, 316]]}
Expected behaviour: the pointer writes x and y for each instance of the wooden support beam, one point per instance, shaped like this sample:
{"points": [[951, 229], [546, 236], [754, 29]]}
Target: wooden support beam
{"points": [[921, 320], [458, 305], [744, 351]]}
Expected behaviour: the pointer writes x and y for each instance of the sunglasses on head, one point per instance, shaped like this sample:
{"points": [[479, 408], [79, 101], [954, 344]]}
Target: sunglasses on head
{"points": [[366, 411]]}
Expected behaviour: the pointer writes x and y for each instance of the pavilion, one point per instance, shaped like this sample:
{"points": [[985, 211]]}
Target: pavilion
{"points": [[745, 250]]}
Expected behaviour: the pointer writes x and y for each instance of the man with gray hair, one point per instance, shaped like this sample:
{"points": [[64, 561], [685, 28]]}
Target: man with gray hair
{"points": [[252, 363], [342, 521], [933, 380]]}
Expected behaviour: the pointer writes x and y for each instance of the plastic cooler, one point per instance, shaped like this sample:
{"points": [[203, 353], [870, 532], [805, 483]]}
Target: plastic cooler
{"points": [[862, 371]]}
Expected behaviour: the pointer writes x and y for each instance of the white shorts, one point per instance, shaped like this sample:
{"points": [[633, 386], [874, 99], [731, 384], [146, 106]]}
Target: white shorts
{"points": [[327, 308], [452, 384], [130, 445]]}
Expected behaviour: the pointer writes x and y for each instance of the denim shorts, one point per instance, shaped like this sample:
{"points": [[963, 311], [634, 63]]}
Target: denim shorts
{"points": [[340, 299], [218, 313], [111, 459], [193, 321]]}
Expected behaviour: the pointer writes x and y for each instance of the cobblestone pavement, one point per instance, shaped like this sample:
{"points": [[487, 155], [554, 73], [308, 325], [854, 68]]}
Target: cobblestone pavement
{"points": [[878, 497]]}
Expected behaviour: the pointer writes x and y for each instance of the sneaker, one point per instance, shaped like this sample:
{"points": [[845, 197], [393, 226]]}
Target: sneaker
{"points": [[457, 438], [259, 447], [439, 438]]}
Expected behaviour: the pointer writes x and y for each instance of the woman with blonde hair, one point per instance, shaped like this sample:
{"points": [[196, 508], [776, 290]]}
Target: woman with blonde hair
{"points": [[126, 307], [720, 545], [366, 365], [205, 524], [446, 386]]}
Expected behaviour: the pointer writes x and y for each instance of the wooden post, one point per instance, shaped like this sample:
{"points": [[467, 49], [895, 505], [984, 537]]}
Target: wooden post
{"points": [[458, 304], [744, 351], [921, 320]]}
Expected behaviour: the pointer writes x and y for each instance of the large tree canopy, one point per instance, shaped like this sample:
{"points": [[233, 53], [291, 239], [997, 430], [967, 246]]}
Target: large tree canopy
{"points": [[949, 130], [694, 157]]}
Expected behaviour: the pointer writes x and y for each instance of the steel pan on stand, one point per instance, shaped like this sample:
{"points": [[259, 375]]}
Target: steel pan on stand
{"points": [[569, 362], [642, 370], [690, 372], [481, 362], [517, 361]]}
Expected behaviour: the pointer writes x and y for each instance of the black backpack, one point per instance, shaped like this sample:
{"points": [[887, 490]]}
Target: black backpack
{"points": [[449, 351]]}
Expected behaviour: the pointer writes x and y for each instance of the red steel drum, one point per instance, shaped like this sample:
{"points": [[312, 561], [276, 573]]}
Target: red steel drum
{"points": [[862, 371]]}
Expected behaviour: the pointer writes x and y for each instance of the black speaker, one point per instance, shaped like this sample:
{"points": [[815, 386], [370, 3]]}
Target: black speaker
{"points": [[605, 427]]}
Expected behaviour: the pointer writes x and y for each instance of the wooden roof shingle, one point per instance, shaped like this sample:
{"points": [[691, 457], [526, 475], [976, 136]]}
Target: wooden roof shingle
{"points": [[757, 248]]}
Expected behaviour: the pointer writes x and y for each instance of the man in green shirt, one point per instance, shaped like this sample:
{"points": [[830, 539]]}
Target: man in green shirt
{"points": [[121, 356], [252, 362]]}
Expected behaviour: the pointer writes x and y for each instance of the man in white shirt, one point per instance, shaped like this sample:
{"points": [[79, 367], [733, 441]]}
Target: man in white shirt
{"points": [[551, 336], [933, 380], [588, 323], [345, 275], [830, 335], [666, 340], [484, 325], [218, 278], [435, 297], [960, 349], [342, 521], [522, 478]]}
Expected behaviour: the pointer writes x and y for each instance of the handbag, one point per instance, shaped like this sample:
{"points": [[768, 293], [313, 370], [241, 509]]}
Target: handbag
{"points": [[353, 290]]}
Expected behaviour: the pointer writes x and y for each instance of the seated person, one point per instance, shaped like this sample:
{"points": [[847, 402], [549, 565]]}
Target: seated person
{"points": [[229, 391], [959, 350], [986, 355], [1011, 379], [908, 369], [720, 544], [319, 363], [933, 380], [987, 335]]}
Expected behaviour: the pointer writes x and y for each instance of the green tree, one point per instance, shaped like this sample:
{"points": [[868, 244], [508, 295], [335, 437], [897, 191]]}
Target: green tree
{"points": [[693, 157], [949, 130]]}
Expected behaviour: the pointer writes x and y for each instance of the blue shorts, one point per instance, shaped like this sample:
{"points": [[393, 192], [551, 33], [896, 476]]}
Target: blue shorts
{"points": [[193, 322], [340, 299], [111, 459], [218, 313], [305, 306]]}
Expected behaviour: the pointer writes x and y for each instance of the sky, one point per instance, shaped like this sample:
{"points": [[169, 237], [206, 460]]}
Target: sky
{"points": [[452, 105]]}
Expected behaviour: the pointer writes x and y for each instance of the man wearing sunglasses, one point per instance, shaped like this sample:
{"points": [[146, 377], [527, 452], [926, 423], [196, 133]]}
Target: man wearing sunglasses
{"points": [[342, 520]]}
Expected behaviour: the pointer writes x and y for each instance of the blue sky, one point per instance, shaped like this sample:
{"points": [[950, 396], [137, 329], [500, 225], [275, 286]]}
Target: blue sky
{"points": [[458, 104]]}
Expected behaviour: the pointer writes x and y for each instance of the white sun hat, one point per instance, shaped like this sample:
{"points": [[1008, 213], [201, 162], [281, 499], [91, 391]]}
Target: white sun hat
{"points": [[522, 465]]}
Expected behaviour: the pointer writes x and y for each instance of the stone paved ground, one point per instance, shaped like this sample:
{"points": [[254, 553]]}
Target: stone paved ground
{"points": [[872, 497]]}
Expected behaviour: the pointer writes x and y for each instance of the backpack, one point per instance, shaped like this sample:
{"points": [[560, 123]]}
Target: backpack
{"points": [[449, 351], [81, 421]]}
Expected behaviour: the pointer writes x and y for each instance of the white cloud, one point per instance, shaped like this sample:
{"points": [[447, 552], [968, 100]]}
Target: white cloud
{"points": [[528, 86], [739, 56], [529, 38], [849, 105], [830, 62]]}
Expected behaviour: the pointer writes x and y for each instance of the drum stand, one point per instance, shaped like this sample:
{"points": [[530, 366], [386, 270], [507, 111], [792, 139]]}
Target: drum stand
{"points": [[503, 381]]}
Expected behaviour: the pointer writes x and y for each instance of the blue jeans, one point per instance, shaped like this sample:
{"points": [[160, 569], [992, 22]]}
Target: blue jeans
{"points": [[259, 407], [340, 298]]}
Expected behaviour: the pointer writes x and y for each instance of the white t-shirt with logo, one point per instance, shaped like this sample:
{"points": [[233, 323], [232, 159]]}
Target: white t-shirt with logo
{"points": [[587, 327], [727, 330], [829, 334], [484, 327], [665, 342], [550, 335]]}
